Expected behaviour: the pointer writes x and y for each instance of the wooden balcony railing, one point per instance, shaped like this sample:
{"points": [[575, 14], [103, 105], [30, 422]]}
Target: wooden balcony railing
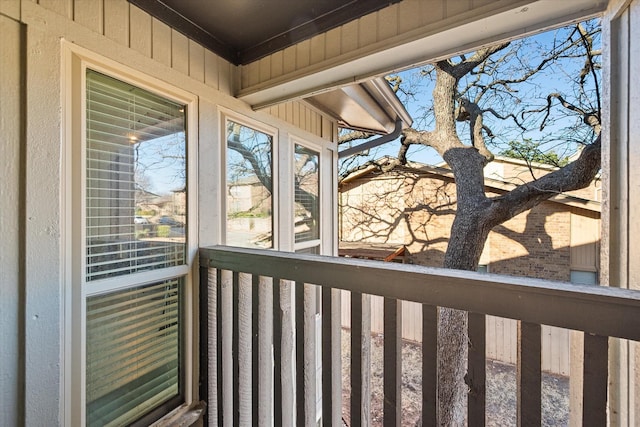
{"points": [[258, 309]]}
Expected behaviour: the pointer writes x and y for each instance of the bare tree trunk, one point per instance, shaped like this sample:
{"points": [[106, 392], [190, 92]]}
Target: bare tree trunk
{"points": [[469, 233], [468, 236]]}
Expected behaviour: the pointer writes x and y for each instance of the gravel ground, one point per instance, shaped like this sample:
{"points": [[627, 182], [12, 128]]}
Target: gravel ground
{"points": [[501, 388]]}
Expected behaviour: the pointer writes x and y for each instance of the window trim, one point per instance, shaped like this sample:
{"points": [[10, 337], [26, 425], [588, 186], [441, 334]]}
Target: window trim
{"points": [[75, 61], [293, 141], [224, 116]]}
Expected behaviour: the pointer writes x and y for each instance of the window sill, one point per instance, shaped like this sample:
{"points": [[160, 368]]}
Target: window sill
{"points": [[183, 416]]}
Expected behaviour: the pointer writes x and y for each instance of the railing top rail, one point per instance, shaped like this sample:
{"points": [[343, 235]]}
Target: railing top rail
{"points": [[601, 310]]}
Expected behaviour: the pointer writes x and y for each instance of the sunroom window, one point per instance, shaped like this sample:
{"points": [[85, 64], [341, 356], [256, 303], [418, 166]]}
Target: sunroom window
{"points": [[135, 168], [306, 199], [136, 267], [249, 176]]}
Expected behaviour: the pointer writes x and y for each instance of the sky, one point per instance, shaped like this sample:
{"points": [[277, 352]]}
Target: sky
{"points": [[552, 80]]}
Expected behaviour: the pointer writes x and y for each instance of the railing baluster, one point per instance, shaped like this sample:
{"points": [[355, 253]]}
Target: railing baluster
{"points": [[392, 362], [218, 344], [277, 354], [360, 359], [331, 365], [301, 397], [244, 343], [287, 353], [594, 391], [528, 374], [327, 365], [204, 327], [476, 372], [235, 345], [306, 324], [429, 365], [265, 351], [255, 351]]}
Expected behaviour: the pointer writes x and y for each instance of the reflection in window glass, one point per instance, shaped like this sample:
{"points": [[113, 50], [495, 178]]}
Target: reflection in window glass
{"points": [[249, 187], [584, 277], [307, 192], [136, 179]]}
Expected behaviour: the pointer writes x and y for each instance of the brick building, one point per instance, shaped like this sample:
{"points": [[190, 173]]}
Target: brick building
{"points": [[414, 206]]}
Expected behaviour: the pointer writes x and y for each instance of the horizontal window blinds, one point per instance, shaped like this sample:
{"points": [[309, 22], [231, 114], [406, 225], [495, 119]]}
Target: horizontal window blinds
{"points": [[135, 163], [133, 342], [307, 194]]}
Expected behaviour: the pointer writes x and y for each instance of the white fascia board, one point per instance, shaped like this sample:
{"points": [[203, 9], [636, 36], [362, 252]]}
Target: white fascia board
{"points": [[526, 19]]}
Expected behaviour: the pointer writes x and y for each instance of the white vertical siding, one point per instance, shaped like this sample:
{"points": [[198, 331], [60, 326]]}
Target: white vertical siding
{"points": [[10, 8], [89, 14], [303, 116], [132, 27], [116, 21], [11, 164]]}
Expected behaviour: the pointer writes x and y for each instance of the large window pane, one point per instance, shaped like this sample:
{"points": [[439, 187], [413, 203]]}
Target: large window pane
{"points": [[136, 179], [307, 194], [249, 187], [133, 342]]}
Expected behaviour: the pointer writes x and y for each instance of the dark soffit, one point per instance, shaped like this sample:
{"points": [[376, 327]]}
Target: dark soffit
{"points": [[242, 31]]}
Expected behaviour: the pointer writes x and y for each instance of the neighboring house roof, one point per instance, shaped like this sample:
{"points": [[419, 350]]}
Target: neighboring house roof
{"points": [[492, 184]]}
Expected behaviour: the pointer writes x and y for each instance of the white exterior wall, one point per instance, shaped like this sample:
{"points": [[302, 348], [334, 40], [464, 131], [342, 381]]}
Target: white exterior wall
{"points": [[36, 288], [11, 221]]}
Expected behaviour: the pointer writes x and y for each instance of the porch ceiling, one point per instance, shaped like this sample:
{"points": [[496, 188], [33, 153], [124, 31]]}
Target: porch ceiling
{"points": [[242, 31]]}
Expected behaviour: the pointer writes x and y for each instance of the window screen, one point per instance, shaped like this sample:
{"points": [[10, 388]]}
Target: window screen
{"points": [[135, 179], [249, 187], [133, 342], [307, 194]]}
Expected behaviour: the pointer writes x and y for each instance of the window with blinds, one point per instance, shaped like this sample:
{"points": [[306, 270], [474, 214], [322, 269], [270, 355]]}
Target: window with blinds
{"points": [[135, 179], [307, 194], [249, 187], [135, 221], [133, 357]]}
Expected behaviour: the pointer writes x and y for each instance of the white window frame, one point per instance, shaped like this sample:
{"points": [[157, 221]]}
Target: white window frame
{"points": [[226, 115], [75, 61], [293, 141]]}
